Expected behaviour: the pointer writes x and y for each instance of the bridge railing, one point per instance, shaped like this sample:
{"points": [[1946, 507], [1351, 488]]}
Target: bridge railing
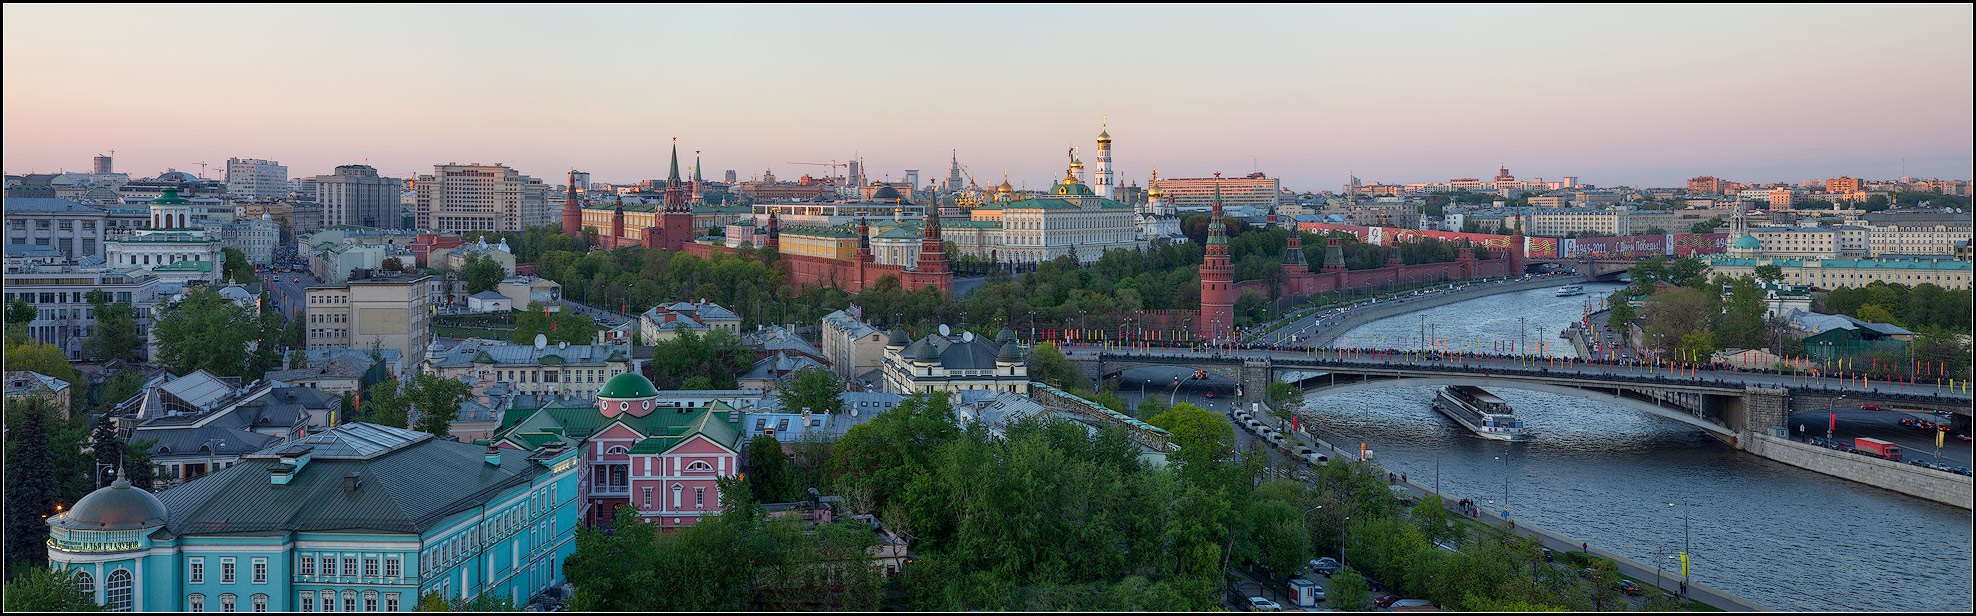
{"points": [[1703, 378]]}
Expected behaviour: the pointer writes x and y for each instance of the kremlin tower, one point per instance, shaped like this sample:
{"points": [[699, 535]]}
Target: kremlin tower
{"points": [[572, 209], [676, 222], [1217, 278]]}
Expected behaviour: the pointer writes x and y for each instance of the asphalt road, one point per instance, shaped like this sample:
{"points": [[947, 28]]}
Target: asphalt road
{"points": [[1885, 425], [287, 291]]}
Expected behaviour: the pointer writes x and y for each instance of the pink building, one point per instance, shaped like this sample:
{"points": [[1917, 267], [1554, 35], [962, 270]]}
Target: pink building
{"points": [[660, 457]]}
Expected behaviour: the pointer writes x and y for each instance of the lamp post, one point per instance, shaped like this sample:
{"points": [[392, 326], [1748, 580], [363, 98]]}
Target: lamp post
{"points": [[1685, 545], [1505, 459]]}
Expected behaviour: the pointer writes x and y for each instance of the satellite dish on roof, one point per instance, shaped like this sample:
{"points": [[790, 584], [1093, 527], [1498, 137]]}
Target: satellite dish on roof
{"points": [[944, 331], [541, 341], [967, 336]]}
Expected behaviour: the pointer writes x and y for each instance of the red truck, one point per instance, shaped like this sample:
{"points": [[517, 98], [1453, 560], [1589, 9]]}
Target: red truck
{"points": [[1878, 448]]}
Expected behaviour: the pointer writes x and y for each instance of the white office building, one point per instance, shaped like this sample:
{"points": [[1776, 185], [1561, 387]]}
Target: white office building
{"points": [[253, 179]]}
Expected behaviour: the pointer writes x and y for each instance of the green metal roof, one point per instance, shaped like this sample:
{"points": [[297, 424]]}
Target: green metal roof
{"points": [[170, 197], [666, 425], [185, 266], [628, 385]]}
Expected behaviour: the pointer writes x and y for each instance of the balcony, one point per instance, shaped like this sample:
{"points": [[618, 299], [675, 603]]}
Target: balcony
{"points": [[610, 490]]}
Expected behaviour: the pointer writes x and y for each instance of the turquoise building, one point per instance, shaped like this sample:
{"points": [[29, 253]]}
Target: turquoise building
{"points": [[359, 518]]}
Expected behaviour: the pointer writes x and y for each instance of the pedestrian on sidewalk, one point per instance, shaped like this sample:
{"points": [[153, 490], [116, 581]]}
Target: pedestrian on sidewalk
{"points": [[1684, 588], [1403, 477], [1585, 547]]}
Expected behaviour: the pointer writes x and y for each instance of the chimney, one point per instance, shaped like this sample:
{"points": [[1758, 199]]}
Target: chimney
{"points": [[493, 455], [350, 482]]}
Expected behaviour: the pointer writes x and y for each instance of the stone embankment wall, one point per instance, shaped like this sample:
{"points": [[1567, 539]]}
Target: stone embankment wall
{"points": [[1928, 483]]}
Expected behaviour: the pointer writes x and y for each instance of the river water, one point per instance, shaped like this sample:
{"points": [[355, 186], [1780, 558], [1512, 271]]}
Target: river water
{"points": [[1787, 538]]}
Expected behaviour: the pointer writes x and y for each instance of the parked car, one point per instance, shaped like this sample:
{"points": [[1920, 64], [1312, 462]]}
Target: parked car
{"points": [[1630, 587], [1259, 604], [1386, 600], [1326, 565]]}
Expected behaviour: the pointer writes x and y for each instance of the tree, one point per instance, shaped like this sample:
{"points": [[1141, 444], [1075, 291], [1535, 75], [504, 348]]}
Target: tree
{"points": [[43, 358], [19, 312], [481, 273], [1770, 272], [384, 405], [1349, 591], [1148, 407], [42, 589], [1875, 313], [1197, 430], [29, 484], [394, 264], [716, 356], [1621, 308], [205, 332], [137, 463], [108, 451], [1672, 314], [120, 387], [115, 335], [1739, 321], [1048, 365], [236, 268], [438, 402], [768, 470], [815, 389], [558, 326]]}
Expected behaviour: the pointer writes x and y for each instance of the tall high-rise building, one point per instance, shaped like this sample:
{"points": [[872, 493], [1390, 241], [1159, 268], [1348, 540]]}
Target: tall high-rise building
{"points": [[954, 181], [580, 179], [103, 164], [253, 179], [731, 176], [476, 197], [1103, 180], [356, 195], [1256, 191], [912, 178]]}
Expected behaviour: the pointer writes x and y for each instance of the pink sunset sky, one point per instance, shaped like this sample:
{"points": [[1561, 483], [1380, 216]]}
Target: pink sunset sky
{"points": [[1641, 95]]}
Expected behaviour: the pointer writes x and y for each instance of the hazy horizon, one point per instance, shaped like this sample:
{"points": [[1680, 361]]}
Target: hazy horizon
{"points": [[1614, 95]]}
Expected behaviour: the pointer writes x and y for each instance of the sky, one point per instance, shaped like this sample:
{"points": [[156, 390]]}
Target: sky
{"points": [[1614, 95]]}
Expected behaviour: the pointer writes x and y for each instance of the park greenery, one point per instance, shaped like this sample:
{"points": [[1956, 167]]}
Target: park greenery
{"points": [[206, 332], [436, 400], [1054, 515], [690, 360], [481, 273], [557, 326], [44, 590], [816, 390]]}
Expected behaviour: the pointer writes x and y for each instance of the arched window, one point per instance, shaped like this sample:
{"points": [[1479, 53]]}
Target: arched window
{"points": [[349, 601], [370, 600], [226, 602], [699, 465], [116, 592], [85, 583], [195, 602], [260, 602], [616, 449], [329, 600]]}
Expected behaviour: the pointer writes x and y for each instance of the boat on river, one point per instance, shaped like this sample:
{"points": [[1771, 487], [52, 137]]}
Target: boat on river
{"points": [[1570, 290], [1481, 412]]}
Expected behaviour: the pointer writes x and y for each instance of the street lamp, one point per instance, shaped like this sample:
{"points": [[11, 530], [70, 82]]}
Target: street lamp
{"points": [[1505, 459], [1684, 545]]}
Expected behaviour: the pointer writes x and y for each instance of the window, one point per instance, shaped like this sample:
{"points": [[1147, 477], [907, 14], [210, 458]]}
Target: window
{"points": [[329, 600], [370, 600], [308, 565], [699, 498], [349, 601], [393, 566], [260, 603], [349, 566], [648, 497], [195, 570], [260, 571], [699, 465], [195, 602], [370, 566], [329, 565], [117, 591], [226, 602], [226, 570], [85, 584], [308, 601], [391, 602]]}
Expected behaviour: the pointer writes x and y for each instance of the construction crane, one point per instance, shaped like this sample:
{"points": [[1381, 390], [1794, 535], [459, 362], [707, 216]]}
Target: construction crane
{"points": [[833, 165], [202, 170]]}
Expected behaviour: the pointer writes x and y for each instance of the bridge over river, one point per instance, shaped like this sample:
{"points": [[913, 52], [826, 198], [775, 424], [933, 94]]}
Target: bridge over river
{"points": [[1721, 401]]}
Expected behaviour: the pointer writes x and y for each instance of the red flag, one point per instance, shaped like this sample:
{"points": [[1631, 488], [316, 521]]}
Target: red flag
{"points": [[1834, 426]]}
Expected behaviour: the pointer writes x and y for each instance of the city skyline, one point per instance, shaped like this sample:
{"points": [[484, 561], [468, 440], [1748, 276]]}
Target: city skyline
{"points": [[1744, 93]]}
